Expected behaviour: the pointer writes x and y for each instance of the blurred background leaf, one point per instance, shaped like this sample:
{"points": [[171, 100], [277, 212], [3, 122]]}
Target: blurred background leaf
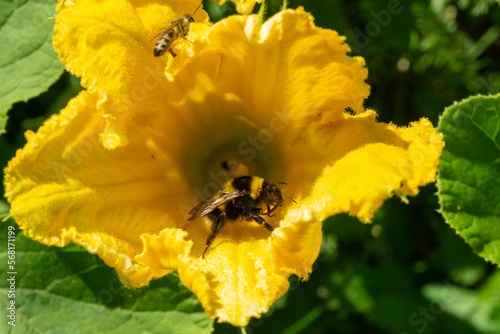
{"points": [[28, 63]]}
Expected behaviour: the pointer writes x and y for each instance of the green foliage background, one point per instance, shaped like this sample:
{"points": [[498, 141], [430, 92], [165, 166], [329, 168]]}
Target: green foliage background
{"points": [[407, 272]]}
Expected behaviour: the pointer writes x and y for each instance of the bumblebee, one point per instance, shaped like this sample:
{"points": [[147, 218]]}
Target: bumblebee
{"points": [[245, 198], [179, 27]]}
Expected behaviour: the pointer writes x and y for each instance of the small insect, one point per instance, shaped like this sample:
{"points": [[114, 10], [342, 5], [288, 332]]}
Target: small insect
{"points": [[179, 27], [242, 198]]}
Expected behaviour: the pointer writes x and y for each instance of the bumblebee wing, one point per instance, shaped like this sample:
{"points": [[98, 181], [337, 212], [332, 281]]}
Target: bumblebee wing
{"points": [[212, 203]]}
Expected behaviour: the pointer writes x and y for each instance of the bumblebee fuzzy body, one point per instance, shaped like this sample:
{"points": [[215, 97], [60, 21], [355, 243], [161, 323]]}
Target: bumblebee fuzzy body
{"points": [[241, 199], [178, 28]]}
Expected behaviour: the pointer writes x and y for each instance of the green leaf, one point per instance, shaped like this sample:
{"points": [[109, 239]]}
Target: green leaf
{"points": [[28, 63], [67, 290], [469, 173], [480, 309], [454, 257]]}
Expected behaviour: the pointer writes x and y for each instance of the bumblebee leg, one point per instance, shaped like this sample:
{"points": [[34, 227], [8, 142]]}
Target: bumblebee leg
{"points": [[218, 222], [260, 220], [270, 210]]}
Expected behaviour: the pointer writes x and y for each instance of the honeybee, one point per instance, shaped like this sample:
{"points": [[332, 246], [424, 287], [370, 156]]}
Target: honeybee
{"points": [[242, 198], [179, 27]]}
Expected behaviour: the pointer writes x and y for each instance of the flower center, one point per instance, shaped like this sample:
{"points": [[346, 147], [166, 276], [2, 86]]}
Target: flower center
{"points": [[214, 161], [238, 145]]}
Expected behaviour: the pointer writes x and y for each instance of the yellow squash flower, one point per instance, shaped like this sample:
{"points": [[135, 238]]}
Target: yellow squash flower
{"points": [[119, 168]]}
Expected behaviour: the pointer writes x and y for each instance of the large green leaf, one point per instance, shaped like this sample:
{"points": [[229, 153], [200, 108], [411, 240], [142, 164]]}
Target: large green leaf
{"points": [[67, 290], [28, 63], [469, 173]]}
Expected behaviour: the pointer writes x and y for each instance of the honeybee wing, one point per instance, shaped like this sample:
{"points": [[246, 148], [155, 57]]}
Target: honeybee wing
{"points": [[174, 22], [212, 203], [177, 20]]}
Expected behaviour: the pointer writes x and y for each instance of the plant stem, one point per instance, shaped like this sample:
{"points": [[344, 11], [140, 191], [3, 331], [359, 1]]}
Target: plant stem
{"points": [[263, 10]]}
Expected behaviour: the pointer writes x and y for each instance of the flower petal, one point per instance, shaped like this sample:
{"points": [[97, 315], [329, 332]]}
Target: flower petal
{"points": [[287, 64], [368, 163], [161, 255], [296, 244], [100, 199], [109, 44], [239, 280]]}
